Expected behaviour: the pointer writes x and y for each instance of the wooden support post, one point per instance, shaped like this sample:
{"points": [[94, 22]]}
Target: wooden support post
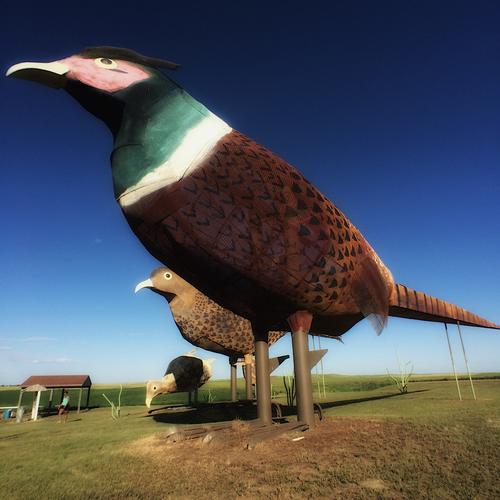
{"points": [[300, 323], [248, 376], [264, 413], [79, 400], [36, 404], [466, 362], [20, 399], [234, 380], [453, 362], [88, 398]]}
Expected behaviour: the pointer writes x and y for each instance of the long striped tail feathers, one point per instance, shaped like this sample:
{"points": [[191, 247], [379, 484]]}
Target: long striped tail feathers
{"points": [[408, 303]]}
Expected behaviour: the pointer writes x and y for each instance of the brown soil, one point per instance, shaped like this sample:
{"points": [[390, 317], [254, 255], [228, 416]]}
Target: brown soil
{"points": [[342, 457]]}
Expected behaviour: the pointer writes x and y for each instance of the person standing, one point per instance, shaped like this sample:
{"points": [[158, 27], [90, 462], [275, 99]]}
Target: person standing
{"points": [[64, 407]]}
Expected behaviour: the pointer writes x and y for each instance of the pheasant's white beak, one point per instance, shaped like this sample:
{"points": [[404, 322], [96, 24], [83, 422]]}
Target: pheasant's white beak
{"points": [[50, 74], [144, 284], [148, 402]]}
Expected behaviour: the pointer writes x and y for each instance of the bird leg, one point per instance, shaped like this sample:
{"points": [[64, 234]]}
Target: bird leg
{"points": [[300, 324], [263, 379], [234, 380], [248, 376]]}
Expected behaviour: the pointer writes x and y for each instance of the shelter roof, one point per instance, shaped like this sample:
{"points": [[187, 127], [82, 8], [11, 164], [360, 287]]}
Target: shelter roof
{"points": [[58, 381], [35, 388]]}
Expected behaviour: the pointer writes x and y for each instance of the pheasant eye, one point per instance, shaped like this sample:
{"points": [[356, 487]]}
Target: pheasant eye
{"points": [[104, 62], [154, 388], [168, 276]]}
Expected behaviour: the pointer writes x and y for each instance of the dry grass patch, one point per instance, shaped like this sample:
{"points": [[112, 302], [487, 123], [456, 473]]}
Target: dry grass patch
{"points": [[352, 458]]}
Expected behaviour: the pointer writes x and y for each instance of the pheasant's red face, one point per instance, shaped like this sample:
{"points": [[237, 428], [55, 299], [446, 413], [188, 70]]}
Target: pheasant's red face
{"points": [[109, 75]]}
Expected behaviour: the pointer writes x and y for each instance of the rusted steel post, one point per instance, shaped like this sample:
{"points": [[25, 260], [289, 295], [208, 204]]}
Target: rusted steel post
{"points": [[322, 370], [234, 393], [300, 323], [453, 362], [466, 361], [248, 376], [264, 413]]}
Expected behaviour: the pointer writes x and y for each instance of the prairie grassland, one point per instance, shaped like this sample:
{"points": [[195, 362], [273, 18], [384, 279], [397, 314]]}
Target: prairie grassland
{"points": [[372, 444], [218, 390]]}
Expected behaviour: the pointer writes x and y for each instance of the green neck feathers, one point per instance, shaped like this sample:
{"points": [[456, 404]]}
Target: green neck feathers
{"points": [[156, 117]]}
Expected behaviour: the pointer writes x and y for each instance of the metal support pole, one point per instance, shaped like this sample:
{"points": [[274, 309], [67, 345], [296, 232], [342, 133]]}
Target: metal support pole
{"points": [[466, 362], [300, 323], [322, 370], [453, 362], [316, 373], [263, 379], [303, 381], [234, 393], [79, 400], [248, 376]]}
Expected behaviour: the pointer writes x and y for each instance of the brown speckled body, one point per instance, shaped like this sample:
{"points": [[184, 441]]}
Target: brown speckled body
{"points": [[207, 325], [201, 321], [247, 229]]}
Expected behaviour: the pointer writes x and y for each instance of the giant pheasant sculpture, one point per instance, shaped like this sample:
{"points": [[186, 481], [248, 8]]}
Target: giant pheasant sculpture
{"points": [[228, 215]]}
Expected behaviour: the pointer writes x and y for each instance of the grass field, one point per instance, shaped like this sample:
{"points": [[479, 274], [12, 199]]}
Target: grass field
{"points": [[372, 444], [135, 394]]}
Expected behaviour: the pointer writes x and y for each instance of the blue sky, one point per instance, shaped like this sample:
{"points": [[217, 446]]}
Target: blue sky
{"points": [[391, 108]]}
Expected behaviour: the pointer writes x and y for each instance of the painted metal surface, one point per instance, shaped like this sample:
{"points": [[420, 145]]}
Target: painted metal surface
{"points": [[407, 303], [184, 374], [300, 323], [242, 225], [201, 321]]}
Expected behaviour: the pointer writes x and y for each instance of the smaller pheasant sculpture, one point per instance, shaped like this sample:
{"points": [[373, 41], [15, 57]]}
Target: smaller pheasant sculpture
{"points": [[201, 321], [184, 374]]}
